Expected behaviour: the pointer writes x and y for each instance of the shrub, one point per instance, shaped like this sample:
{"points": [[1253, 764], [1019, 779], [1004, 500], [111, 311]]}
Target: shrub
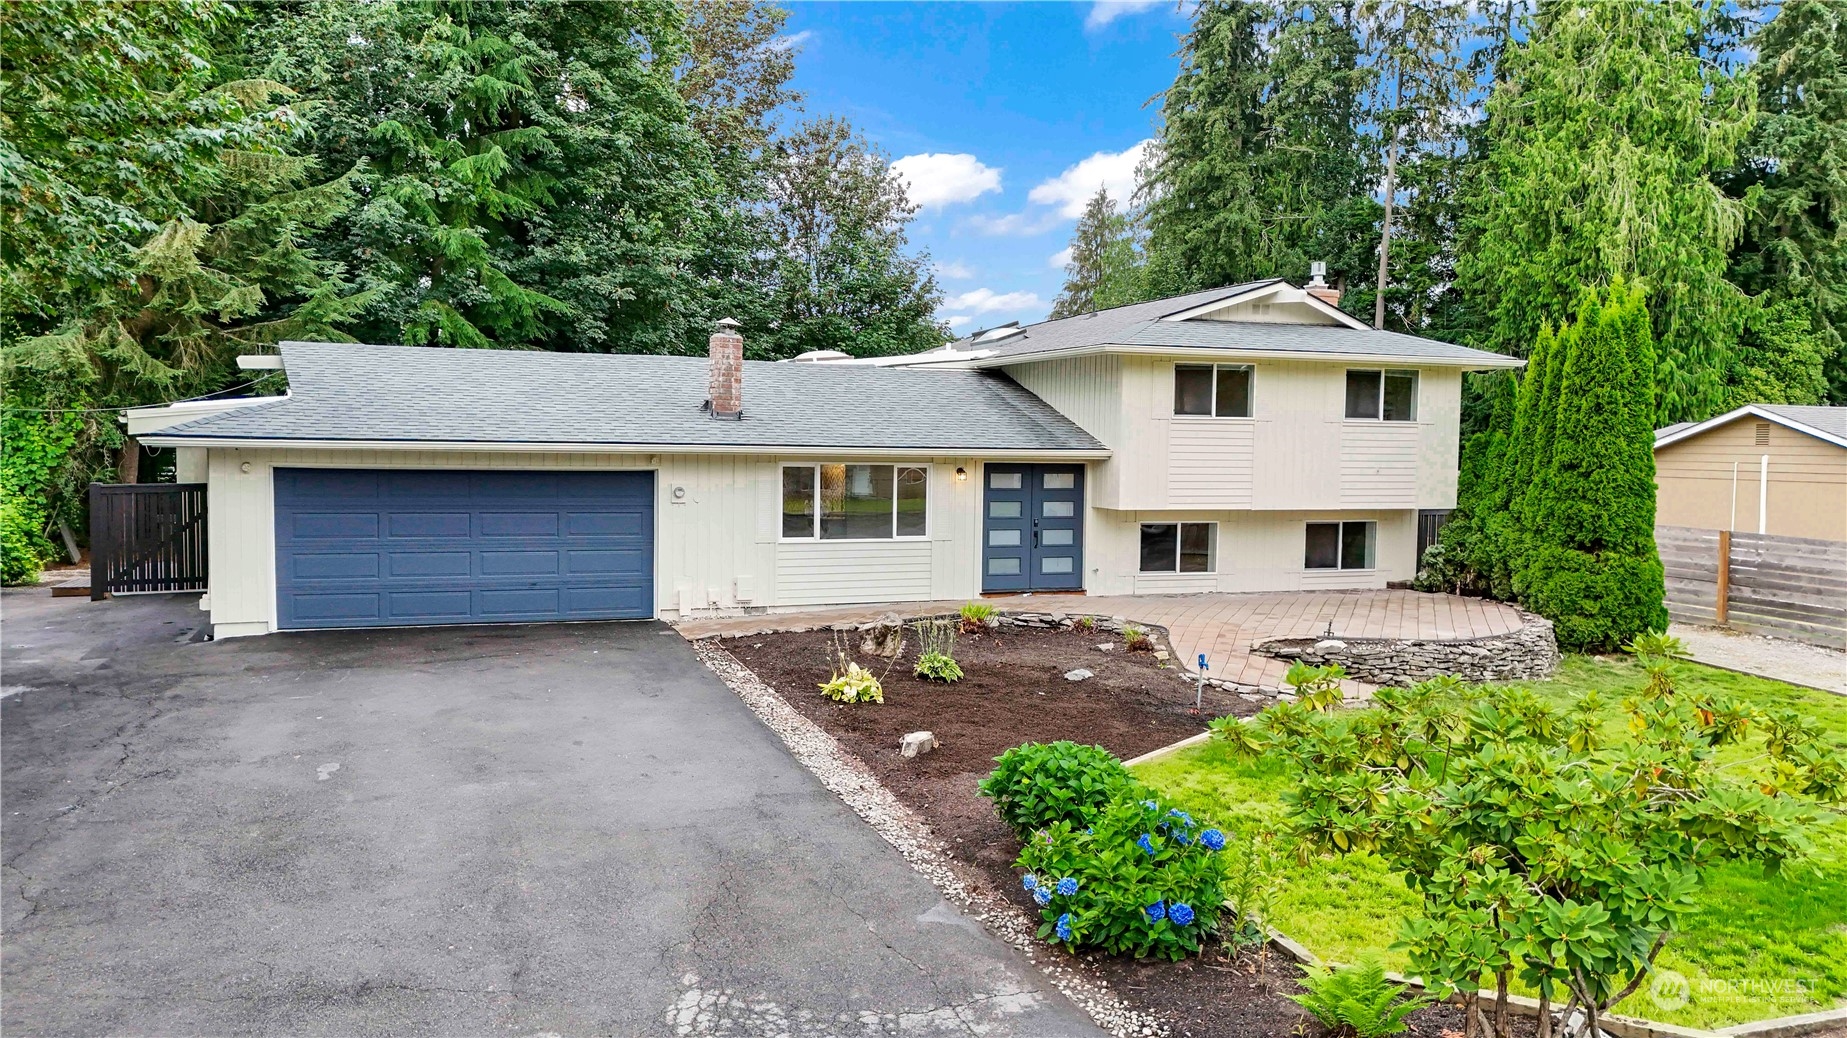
{"points": [[1038, 784], [975, 616], [1317, 688], [936, 659], [1142, 879], [21, 545], [1357, 1001], [1135, 639], [852, 683], [1086, 624]]}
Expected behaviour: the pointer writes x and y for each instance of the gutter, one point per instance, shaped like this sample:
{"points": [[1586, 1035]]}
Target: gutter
{"points": [[502, 446]]}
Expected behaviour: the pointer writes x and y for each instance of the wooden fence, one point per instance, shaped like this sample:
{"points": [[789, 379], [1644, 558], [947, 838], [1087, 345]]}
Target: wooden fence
{"points": [[147, 537], [1792, 587]]}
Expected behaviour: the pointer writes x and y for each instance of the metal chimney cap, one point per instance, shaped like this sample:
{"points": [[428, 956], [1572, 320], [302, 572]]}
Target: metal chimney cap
{"points": [[728, 324]]}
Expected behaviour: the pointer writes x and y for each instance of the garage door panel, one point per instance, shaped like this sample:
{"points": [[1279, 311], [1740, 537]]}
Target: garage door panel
{"points": [[431, 563], [359, 548]]}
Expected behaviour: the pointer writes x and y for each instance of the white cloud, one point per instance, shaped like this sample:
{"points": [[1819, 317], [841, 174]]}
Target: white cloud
{"points": [[1106, 11], [1114, 171], [793, 41], [986, 300], [1023, 225], [1059, 259], [937, 179], [958, 321], [954, 270]]}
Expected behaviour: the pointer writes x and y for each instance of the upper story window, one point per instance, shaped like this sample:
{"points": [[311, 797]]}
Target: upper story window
{"points": [[1213, 390], [854, 502], [1387, 395]]}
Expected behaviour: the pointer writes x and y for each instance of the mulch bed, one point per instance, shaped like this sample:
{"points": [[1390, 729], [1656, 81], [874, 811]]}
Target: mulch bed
{"points": [[1014, 691]]}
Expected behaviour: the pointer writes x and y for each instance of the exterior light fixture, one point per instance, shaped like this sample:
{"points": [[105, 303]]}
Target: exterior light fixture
{"points": [[961, 474]]}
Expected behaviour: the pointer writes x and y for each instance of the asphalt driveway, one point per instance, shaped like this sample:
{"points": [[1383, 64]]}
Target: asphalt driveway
{"points": [[557, 829]]}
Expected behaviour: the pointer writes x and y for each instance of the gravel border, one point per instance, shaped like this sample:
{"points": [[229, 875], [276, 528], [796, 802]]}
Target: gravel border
{"points": [[846, 777]]}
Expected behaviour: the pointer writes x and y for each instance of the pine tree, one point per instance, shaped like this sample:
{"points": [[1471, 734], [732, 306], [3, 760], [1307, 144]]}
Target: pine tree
{"points": [[1793, 168], [1590, 563], [1103, 270], [1607, 112]]}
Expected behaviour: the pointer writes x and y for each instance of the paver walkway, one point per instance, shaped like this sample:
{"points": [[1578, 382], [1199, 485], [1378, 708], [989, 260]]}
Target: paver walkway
{"points": [[1223, 626]]}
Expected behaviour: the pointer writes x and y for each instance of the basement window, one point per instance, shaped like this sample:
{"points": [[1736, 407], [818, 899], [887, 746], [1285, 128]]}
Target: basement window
{"points": [[1382, 395], [854, 502], [1213, 390], [1179, 547], [1347, 545]]}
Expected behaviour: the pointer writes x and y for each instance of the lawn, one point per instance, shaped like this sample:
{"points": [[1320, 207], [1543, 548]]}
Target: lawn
{"points": [[1759, 946]]}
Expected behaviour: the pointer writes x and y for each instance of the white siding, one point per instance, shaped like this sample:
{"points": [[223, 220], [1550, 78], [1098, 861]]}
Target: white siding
{"points": [[1257, 551], [1211, 461], [717, 543], [1378, 464]]}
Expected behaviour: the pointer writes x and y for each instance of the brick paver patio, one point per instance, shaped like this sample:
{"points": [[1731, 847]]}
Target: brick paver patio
{"points": [[1223, 626]]}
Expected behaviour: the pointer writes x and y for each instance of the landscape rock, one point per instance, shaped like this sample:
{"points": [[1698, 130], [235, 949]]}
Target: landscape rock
{"points": [[883, 637], [1080, 674], [1107, 647], [1530, 653], [916, 743]]}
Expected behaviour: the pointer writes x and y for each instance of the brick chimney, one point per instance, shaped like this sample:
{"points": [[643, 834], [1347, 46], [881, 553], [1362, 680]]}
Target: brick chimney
{"points": [[726, 368], [1318, 285]]}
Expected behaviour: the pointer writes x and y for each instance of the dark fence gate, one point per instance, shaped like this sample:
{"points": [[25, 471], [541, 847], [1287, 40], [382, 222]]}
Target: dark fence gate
{"points": [[1429, 524], [147, 537]]}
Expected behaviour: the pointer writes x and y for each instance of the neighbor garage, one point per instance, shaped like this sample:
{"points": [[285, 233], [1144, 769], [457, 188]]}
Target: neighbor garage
{"points": [[395, 547]]}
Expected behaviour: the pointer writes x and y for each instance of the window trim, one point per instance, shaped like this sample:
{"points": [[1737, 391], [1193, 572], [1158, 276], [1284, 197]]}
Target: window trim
{"points": [[814, 500], [1179, 543], [1340, 544], [1212, 405], [1417, 385]]}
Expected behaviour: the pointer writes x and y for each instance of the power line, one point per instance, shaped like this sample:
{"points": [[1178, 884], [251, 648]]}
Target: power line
{"points": [[124, 407]]}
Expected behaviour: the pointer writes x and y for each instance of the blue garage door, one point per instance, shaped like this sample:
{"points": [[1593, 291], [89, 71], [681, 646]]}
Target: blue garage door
{"points": [[389, 548]]}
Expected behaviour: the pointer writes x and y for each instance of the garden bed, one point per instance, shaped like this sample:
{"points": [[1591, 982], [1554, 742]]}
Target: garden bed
{"points": [[1014, 691]]}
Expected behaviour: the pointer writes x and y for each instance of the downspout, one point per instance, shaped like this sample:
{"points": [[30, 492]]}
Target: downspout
{"points": [[1763, 494]]}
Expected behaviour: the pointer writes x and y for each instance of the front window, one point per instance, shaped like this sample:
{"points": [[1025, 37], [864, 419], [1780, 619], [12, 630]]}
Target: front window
{"points": [[1382, 395], [1179, 547], [854, 502], [1217, 390], [1347, 545]]}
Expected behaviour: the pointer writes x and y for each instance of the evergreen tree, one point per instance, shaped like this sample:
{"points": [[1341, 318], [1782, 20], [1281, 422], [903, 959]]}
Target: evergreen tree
{"points": [[1590, 565], [1608, 114], [1793, 174], [844, 277], [1104, 268], [529, 172]]}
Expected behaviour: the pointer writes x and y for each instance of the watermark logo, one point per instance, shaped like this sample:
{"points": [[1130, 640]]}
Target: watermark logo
{"points": [[1670, 990]]}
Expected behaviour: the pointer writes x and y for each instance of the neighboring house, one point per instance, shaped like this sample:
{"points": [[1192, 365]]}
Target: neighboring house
{"points": [[1248, 438], [1764, 468]]}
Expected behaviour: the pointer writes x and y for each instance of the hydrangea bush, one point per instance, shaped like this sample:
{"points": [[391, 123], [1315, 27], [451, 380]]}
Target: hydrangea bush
{"points": [[1141, 879], [1036, 785]]}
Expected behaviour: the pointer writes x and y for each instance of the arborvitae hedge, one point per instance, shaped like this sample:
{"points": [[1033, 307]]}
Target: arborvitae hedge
{"points": [[1589, 562]]}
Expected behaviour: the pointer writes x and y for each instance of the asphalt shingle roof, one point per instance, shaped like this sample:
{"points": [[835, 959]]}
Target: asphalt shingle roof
{"points": [[1140, 324], [341, 391], [1831, 420]]}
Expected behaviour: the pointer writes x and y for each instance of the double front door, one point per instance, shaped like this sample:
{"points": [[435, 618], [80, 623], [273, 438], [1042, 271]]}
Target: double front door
{"points": [[1032, 532]]}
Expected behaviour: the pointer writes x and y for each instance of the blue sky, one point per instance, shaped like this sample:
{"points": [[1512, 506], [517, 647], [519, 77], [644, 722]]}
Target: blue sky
{"points": [[1003, 118]]}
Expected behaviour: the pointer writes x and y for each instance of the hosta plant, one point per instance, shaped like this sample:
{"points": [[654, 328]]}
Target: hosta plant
{"points": [[1141, 879], [936, 659], [1036, 785], [852, 683]]}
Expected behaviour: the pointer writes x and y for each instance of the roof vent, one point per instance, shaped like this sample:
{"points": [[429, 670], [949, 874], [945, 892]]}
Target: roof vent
{"points": [[821, 355], [1005, 331]]}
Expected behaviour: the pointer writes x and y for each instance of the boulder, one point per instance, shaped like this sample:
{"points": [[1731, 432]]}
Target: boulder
{"points": [[916, 743], [883, 637], [1080, 674]]}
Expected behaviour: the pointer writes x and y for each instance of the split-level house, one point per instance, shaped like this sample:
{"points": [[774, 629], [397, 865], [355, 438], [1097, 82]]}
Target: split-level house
{"points": [[1248, 438]]}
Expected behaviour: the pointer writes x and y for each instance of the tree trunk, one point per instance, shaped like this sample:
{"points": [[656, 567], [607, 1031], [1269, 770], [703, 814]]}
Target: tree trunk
{"points": [[1385, 232], [1500, 1005], [1470, 1015], [1545, 1011], [128, 462]]}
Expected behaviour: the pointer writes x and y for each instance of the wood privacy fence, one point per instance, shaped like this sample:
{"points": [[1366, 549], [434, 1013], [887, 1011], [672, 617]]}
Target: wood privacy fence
{"points": [[147, 537], [1793, 587]]}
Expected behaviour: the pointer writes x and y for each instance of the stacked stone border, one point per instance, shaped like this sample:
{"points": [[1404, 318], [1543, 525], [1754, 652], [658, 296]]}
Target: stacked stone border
{"points": [[1528, 654]]}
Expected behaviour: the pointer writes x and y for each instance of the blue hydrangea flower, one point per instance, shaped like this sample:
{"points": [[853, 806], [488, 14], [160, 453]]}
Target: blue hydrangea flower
{"points": [[1185, 819], [1183, 838], [1156, 912], [1146, 843], [1043, 895], [1030, 882], [1067, 886], [1063, 927], [1213, 839], [1181, 914], [1151, 805]]}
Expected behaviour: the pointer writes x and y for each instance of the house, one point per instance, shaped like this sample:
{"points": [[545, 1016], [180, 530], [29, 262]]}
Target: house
{"points": [[1247, 438], [1763, 468]]}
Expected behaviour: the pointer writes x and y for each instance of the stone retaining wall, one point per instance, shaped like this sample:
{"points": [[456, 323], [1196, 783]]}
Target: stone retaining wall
{"points": [[1530, 653]]}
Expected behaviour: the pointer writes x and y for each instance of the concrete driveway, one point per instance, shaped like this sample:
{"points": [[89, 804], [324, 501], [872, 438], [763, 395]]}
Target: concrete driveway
{"points": [[512, 830]]}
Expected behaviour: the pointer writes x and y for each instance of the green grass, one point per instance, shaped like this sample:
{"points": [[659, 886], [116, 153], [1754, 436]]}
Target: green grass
{"points": [[1746, 949]]}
